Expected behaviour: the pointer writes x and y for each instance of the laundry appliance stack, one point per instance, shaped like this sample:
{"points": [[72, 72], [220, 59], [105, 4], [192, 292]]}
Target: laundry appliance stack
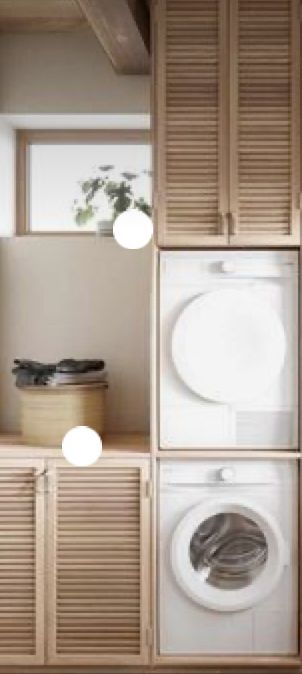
{"points": [[225, 358]]}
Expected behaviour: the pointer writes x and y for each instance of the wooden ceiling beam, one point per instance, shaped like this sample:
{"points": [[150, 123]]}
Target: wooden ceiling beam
{"points": [[18, 16], [40, 25], [122, 28]]}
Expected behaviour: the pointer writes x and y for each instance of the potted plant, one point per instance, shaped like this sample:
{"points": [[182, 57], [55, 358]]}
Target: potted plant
{"points": [[117, 193]]}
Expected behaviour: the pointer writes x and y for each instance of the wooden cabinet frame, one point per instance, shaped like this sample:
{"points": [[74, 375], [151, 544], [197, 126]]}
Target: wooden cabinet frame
{"points": [[239, 663], [25, 138]]}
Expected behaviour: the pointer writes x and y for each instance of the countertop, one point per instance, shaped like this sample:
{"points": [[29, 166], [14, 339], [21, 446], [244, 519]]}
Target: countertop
{"points": [[113, 445]]}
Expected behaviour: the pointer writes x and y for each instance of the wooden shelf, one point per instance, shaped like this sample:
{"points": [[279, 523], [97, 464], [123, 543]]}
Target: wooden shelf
{"points": [[113, 444]]}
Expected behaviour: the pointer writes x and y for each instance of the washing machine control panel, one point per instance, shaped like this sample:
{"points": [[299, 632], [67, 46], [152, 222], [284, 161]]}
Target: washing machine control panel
{"points": [[226, 474]]}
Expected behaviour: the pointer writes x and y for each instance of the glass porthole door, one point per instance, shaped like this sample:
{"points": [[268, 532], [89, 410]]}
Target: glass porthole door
{"points": [[227, 555]]}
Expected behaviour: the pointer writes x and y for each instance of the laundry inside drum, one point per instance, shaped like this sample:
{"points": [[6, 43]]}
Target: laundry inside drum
{"points": [[228, 551]]}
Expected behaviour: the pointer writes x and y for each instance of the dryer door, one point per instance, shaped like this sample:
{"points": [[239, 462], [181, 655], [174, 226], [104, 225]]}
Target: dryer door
{"points": [[228, 555], [228, 346]]}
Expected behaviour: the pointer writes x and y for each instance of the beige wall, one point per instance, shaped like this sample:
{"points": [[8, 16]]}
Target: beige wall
{"points": [[84, 298], [73, 296], [64, 72]]}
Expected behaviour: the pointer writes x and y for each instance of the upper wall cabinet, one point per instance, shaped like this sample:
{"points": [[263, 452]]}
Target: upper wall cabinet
{"points": [[226, 109], [190, 130]]}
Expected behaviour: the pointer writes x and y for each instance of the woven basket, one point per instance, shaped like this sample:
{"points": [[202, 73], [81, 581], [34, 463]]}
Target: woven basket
{"points": [[48, 413]]}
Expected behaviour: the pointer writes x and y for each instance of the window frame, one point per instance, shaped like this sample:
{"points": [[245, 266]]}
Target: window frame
{"points": [[25, 138]]}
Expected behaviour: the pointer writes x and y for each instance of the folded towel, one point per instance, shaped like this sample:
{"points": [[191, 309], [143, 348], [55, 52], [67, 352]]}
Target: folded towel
{"points": [[33, 373], [91, 377], [71, 365]]}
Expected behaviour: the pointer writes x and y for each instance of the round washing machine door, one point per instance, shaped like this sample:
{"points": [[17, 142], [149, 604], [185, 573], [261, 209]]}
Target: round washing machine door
{"points": [[228, 345], [228, 555]]}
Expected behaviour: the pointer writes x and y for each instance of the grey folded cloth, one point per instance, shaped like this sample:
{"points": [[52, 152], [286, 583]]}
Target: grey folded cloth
{"points": [[34, 373], [91, 377]]}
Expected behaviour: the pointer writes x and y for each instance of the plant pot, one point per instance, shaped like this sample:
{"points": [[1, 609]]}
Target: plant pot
{"points": [[104, 228]]}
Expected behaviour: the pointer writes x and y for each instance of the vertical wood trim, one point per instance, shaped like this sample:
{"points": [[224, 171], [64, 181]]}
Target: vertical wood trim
{"points": [[145, 616], [51, 614], [154, 354], [153, 42], [295, 119], [224, 117], [299, 523], [21, 203], [154, 561], [233, 115], [40, 565], [159, 27], [154, 443]]}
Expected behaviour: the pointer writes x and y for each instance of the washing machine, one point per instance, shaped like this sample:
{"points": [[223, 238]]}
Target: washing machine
{"points": [[228, 575], [228, 349]]}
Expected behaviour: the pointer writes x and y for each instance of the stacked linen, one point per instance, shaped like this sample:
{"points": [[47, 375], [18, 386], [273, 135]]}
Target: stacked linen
{"points": [[66, 371]]}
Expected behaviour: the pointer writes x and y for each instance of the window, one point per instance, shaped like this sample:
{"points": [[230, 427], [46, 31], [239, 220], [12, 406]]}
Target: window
{"points": [[76, 182]]}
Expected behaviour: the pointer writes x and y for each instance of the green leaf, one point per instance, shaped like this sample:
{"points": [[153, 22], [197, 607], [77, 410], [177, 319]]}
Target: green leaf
{"points": [[143, 206], [106, 167], [83, 215], [129, 176]]}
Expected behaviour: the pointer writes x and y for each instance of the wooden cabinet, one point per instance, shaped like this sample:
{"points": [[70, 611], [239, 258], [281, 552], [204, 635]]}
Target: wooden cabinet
{"points": [[87, 578], [226, 90], [98, 563], [190, 80], [21, 562]]}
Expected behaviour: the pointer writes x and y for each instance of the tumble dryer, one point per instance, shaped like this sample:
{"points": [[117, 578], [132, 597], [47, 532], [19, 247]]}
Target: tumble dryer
{"points": [[228, 349], [228, 578]]}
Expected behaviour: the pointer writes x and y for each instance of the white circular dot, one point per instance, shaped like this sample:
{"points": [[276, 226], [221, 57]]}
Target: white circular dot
{"points": [[133, 229], [82, 446]]}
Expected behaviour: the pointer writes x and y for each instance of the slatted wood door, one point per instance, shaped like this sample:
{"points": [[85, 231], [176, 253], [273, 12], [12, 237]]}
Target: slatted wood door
{"points": [[21, 562], [190, 134], [98, 559], [264, 118]]}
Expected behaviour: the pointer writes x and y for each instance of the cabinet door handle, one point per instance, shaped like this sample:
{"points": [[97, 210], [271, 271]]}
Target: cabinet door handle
{"points": [[223, 223], [233, 229], [41, 481]]}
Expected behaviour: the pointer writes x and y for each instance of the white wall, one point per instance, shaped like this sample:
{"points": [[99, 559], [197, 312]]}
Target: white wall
{"points": [[70, 296]]}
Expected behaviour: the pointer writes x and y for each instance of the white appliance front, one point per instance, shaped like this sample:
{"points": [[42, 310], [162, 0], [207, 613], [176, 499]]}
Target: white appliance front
{"points": [[228, 349], [228, 572]]}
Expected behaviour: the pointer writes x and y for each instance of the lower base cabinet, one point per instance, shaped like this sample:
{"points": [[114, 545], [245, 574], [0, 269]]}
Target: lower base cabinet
{"points": [[22, 537], [74, 555]]}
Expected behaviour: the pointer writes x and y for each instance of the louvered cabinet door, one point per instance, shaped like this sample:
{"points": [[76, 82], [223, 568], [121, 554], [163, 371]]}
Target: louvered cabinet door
{"points": [[190, 122], [265, 145], [98, 563], [21, 562]]}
